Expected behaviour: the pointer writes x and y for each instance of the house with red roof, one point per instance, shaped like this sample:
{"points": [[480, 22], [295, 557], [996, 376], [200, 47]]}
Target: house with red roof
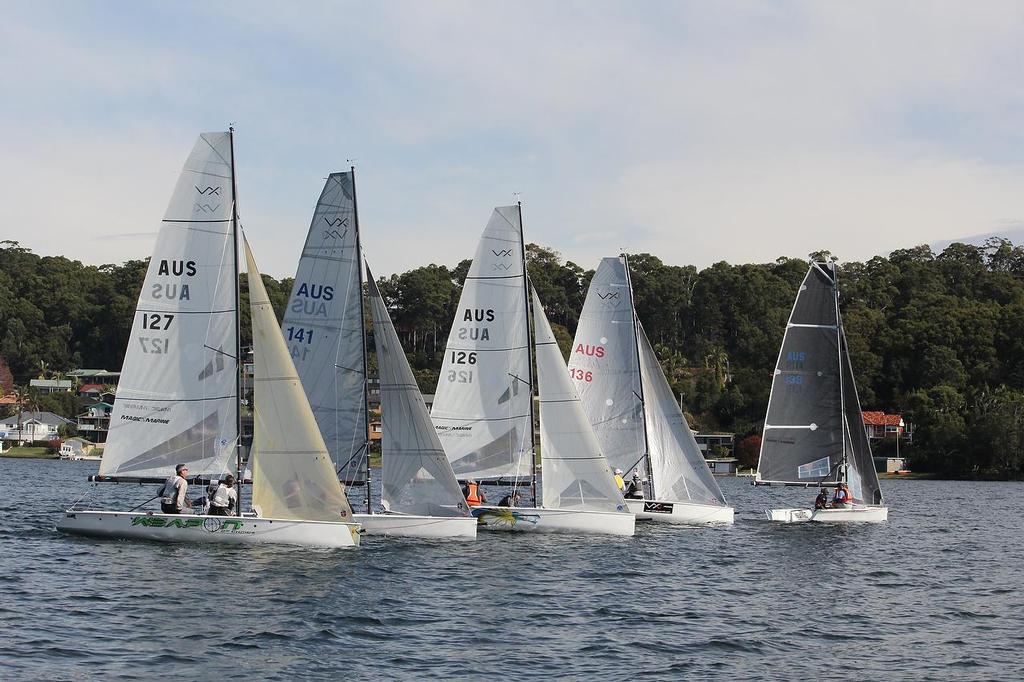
{"points": [[882, 425]]}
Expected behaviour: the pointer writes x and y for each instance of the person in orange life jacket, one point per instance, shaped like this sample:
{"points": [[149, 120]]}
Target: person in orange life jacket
{"points": [[821, 501], [473, 493], [173, 496], [843, 498]]}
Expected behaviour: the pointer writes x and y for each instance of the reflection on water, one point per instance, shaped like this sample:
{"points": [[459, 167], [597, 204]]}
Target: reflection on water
{"points": [[935, 593]]}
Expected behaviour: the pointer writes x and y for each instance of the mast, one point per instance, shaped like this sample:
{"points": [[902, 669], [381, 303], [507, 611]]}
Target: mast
{"points": [[362, 336], [842, 393], [238, 328], [529, 353], [639, 373]]}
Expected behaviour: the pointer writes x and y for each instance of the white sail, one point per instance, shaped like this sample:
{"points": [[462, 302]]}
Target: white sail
{"points": [[576, 473], [293, 477], [416, 476], [177, 401], [603, 366], [678, 468], [482, 404], [323, 325]]}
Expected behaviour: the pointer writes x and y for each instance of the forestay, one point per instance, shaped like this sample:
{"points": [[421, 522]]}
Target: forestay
{"points": [[323, 325], [603, 366], [803, 433], [293, 477], [416, 475], [482, 405], [677, 464], [576, 473], [177, 400]]}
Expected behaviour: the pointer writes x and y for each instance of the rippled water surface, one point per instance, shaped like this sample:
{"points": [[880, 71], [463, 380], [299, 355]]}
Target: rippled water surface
{"points": [[936, 593]]}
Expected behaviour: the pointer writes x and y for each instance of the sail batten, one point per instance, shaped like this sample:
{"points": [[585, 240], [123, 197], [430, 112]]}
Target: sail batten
{"points": [[177, 397]]}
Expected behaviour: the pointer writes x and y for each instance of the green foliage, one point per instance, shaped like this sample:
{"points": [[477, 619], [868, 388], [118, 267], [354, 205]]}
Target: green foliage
{"points": [[938, 337]]}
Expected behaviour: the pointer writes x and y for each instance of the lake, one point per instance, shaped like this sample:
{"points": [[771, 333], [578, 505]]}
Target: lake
{"points": [[935, 593]]}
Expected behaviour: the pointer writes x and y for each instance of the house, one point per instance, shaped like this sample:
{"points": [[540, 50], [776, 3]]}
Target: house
{"points": [[712, 443], [94, 423], [51, 385], [881, 425], [93, 391], [32, 426], [94, 376], [76, 448], [722, 466]]}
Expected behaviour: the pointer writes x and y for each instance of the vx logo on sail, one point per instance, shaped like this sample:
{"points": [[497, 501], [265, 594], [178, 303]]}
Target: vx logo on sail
{"points": [[208, 190], [506, 253], [205, 208]]}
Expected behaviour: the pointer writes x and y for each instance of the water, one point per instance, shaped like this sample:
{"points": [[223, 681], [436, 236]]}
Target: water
{"points": [[933, 594]]}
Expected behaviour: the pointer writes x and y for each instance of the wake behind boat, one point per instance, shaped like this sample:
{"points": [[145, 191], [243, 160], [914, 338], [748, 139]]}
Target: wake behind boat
{"points": [[633, 410], [179, 390], [813, 432]]}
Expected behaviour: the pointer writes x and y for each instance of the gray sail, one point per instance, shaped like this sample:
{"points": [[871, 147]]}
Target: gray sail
{"points": [[679, 470], [323, 326], [416, 476], [804, 432], [861, 474], [603, 366]]}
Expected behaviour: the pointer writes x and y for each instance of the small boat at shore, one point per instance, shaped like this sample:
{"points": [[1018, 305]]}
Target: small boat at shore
{"points": [[178, 399], [813, 433]]}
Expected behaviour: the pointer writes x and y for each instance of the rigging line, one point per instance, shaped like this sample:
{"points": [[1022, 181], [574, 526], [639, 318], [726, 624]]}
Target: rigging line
{"points": [[519, 379], [218, 350]]}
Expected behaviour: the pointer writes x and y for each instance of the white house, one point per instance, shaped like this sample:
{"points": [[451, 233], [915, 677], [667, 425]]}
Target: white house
{"points": [[34, 426]]}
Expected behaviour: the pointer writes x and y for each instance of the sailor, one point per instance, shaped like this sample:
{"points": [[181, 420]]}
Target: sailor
{"points": [[474, 495], [173, 498], [223, 497], [635, 491], [510, 500], [619, 483], [821, 501], [843, 498]]}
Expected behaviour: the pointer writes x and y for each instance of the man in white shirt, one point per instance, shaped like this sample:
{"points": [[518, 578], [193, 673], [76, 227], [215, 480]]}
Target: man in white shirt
{"points": [[173, 498]]}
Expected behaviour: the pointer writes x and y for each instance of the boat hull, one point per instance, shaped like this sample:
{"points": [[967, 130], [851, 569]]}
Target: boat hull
{"points": [[540, 520], [680, 512], [855, 514], [413, 526], [211, 529]]}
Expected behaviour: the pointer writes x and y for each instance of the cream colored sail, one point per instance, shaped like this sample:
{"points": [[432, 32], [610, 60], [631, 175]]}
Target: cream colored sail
{"points": [[293, 477]]}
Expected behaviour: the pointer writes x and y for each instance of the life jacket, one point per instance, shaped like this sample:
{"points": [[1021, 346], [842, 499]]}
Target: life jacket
{"points": [[223, 496], [473, 495], [619, 483], [169, 493], [842, 497]]}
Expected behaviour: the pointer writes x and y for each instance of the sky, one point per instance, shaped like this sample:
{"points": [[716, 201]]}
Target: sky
{"points": [[695, 131]]}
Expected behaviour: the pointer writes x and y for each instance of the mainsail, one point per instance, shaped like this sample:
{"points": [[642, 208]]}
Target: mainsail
{"points": [[416, 475], [323, 325], [813, 430], [677, 464], [293, 477], [603, 365], [482, 408], [177, 400], [576, 473]]}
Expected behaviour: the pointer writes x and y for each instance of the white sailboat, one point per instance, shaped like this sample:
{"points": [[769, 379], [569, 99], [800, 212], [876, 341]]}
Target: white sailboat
{"points": [[813, 433], [324, 329], [179, 389], [632, 408], [483, 408]]}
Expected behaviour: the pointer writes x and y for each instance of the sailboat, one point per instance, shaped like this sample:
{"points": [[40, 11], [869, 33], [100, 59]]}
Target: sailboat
{"points": [[324, 328], [813, 432], [178, 398], [483, 408], [633, 410]]}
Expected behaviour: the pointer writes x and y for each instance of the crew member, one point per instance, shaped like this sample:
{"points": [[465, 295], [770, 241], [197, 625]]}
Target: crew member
{"points": [[173, 498], [821, 501], [223, 497], [473, 493], [510, 500], [843, 498], [635, 491], [619, 483]]}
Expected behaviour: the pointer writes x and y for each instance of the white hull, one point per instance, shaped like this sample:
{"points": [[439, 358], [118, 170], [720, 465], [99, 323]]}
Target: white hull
{"points": [[540, 520], [680, 512], [412, 526], [219, 529], [855, 514]]}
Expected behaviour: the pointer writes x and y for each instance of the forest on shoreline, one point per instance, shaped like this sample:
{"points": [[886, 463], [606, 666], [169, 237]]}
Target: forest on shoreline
{"points": [[936, 337]]}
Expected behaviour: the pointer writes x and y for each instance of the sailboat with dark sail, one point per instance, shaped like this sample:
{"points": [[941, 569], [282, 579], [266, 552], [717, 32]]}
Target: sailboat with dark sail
{"points": [[813, 433]]}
